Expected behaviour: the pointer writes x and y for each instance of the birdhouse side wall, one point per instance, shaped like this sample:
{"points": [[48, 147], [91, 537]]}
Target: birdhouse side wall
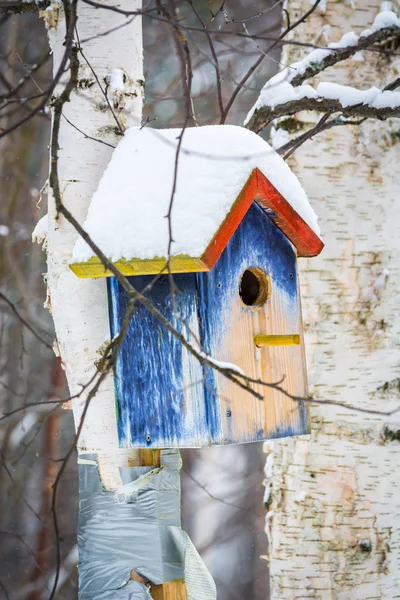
{"points": [[228, 327], [159, 384]]}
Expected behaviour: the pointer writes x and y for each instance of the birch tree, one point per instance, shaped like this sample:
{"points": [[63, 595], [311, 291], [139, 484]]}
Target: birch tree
{"points": [[333, 498], [331, 501], [105, 98]]}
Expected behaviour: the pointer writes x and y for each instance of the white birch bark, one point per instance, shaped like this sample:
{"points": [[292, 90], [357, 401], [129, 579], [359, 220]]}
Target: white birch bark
{"points": [[79, 307], [334, 501]]}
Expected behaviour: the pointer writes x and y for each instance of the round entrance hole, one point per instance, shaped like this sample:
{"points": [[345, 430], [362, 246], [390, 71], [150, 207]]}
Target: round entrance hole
{"points": [[254, 288]]}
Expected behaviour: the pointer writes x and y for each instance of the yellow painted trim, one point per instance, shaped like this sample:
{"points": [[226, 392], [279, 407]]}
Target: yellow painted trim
{"points": [[277, 340], [94, 268]]}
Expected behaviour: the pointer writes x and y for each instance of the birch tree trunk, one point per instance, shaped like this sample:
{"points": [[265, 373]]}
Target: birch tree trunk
{"points": [[79, 307], [334, 500], [108, 99]]}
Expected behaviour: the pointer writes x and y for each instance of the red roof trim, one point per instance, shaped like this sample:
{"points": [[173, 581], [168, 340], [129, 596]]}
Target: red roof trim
{"points": [[258, 188], [231, 222], [306, 241]]}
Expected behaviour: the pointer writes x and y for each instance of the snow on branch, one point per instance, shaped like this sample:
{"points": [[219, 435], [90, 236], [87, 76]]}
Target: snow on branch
{"points": [[327, 98], [287, 93]]}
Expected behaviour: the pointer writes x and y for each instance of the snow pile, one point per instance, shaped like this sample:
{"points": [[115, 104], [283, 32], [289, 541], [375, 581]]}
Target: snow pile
{"points": [[127, 214], [344, 94], [116, 80], [39, 234], [279, 90], [279, 137], [222, 364], [384, 19], [348, 96], [280, 93]]}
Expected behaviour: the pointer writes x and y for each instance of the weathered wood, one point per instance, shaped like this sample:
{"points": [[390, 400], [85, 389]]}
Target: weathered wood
{"points": [[159, 387], [228, 328], [304, 239], [94, 268], [173, 590], [165, 398], [232, 221]]}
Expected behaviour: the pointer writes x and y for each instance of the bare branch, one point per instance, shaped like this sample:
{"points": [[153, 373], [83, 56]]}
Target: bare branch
{"points": [[15, 7], [287, 149], [214, 56], [25, 322], [265, 114], [261, 58], [337, 55]]}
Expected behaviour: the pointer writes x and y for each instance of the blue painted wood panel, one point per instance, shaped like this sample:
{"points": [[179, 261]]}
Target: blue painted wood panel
{"points": [[227, 333], [159, 385], [165, 398]]}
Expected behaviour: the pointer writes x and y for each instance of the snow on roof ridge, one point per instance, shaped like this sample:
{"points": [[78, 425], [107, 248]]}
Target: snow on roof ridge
{"points": [[127, 214]]}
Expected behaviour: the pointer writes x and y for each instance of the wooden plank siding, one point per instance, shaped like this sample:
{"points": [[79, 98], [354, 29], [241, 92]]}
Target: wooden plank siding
{"points": [[165, 398], [158, 383], [228, 328]]}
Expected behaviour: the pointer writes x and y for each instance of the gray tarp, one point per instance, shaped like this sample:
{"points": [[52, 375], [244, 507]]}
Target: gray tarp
{"points": [[136, 528]]}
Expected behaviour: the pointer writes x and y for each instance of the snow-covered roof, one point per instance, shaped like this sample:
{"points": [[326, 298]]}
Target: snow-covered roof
{"points": [[127, 214]]}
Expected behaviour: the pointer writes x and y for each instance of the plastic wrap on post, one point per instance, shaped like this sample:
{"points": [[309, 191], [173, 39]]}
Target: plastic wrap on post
{"points": [[135, 528]]}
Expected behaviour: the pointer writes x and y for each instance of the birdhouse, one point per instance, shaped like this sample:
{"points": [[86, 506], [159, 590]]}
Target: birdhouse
{"points": [[209, 231]]}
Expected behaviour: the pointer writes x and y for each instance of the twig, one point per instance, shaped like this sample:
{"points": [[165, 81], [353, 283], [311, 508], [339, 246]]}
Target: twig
{"points": [[261, 58], [210, 495], [214, 56], [256, 16], [22, 498], [49, 91], [103, 91], [70, 10], [18, 7], [322, 125], [265, 114], [2, 586], [337, 55], [25, 322], [86, 136], [219, 32]]}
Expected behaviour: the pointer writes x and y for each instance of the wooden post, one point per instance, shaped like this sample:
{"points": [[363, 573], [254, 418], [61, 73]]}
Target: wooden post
{"points": [[171, 590]]}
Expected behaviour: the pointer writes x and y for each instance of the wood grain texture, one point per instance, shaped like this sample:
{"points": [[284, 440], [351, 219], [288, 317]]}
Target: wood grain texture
{"points": [[94, 268], [304, 239], [165, 398], [228, 328], [159, 387], [172, 590], [231, 222]]}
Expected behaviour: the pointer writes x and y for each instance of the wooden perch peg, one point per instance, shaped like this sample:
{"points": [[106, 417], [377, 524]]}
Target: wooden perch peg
{"points": [[276, 340]]}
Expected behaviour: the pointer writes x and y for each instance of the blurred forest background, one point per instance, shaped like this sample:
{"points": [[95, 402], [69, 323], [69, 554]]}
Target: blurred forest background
{"points": [[222, 499]]}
